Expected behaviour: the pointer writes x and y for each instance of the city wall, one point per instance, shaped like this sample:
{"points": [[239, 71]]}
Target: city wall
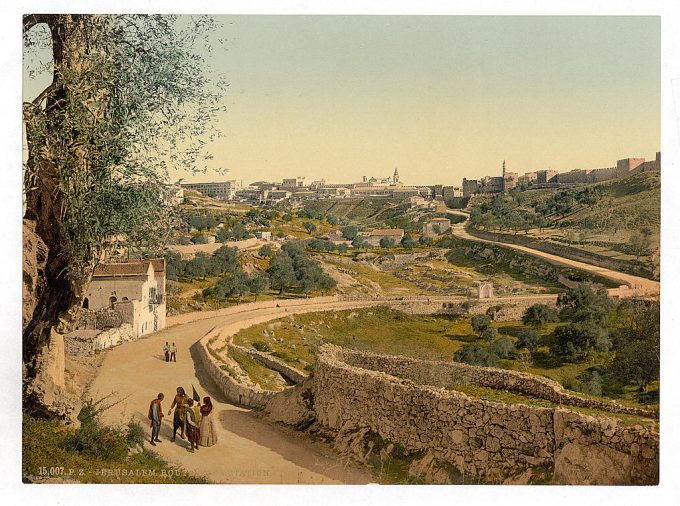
{"points": [[488, 441]]}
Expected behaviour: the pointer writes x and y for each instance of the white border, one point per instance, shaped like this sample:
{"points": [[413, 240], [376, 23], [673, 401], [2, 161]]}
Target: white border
{"points": [[10, 306]]}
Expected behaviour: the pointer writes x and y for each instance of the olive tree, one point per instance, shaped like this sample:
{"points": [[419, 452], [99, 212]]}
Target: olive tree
{"points": [[128, 99]]}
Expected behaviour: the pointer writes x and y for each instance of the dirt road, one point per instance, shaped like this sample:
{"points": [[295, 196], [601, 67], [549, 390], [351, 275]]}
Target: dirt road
{"points": [[637, 284], [249, 449]]}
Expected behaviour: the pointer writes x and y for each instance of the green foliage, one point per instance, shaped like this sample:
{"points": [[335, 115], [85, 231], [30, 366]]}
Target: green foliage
{"points": [[502, 347], [265, 251], [636, 336], [583, 304], [528, 339], [350, 232], [386, 242], [480, 323], [474, 354], [258, 284], [309, 227], [489, 334], [538, 315], [408, 242], [199, 239], [281, 272], [577, 341], [128, 98]]}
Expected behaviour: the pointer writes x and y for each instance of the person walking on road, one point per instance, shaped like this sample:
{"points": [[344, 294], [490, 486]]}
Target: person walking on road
{"points": [[180, 414], [166, 350], [208, 434], [156, 416], [173, 353]]}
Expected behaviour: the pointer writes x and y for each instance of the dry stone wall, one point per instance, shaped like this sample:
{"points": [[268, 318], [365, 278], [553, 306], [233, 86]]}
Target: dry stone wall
{"points": [[483, 440]]}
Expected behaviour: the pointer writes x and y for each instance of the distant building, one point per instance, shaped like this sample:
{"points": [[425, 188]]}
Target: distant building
{"points": [[484, 289], [222, 190], [374, 236], [470, 187], [436, 227], [264, 235], [293, 183]]}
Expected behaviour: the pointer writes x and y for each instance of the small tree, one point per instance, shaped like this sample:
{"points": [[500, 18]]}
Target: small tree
{"points": [[474, 354], [524, 358], [502, 347], [538, 315], [408, 242], [480, 323], [489, 334], [386, 242], [265, 251], [258, 284], [577, 341], [350, 232], [528, 339], [309, 227], [281, 272]]}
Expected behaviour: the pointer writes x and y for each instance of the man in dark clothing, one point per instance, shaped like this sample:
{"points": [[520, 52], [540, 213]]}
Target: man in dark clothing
{"points": [[156, 416]]}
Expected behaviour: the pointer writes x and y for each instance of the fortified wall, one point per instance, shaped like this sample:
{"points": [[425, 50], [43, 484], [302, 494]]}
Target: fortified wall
{"points": [[488, 441]]}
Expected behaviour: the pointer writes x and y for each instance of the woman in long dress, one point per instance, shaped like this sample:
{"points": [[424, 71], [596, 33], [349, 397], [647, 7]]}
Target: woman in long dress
{"points": [[208, 433]]}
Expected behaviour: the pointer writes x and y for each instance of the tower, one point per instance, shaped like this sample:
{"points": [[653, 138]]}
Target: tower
{"points": [[503, 169], [395, 177]]}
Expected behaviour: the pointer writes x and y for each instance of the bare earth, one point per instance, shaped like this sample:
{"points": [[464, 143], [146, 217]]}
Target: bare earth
{"points": [[249, 450]]}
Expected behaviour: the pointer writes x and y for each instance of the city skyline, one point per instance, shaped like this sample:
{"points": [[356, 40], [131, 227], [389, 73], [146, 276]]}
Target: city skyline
{"points": [[439, 97]]}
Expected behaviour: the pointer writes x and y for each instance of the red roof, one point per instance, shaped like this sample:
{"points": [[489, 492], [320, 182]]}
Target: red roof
{"points": [[134, 268], [387, 231]]}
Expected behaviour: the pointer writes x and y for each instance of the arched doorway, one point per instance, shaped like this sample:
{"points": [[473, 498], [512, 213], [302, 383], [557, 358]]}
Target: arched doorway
{"points": [[86, 303]]}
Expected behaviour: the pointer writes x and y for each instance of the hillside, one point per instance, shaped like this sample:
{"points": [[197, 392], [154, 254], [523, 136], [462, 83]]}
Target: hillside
{"points": [[373, 212], [612, 223]]}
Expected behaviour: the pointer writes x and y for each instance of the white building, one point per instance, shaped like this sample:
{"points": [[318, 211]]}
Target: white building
{"points": [[134, 291]]}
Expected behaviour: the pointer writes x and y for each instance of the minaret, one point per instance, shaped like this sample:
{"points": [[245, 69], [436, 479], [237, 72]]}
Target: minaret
{"points": [[395, 177], [503, 169]]}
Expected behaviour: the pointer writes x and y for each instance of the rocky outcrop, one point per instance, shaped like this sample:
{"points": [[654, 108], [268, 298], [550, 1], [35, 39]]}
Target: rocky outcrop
{"points": [[34, 259], [46, 389]]}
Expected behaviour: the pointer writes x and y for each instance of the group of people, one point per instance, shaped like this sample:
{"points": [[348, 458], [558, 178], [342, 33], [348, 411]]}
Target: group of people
{"points": [[193, 419], [170, 352]]}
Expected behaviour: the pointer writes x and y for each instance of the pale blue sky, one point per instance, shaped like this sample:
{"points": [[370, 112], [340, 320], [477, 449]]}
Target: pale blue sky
{"points": [[439, 97]]}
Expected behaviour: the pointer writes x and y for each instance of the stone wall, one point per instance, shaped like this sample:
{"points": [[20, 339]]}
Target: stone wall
{"points": [[483, 440], [85, 342], [237, 393]]}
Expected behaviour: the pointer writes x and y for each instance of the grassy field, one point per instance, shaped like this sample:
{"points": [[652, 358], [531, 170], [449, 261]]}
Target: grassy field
{"points": [[46, 456], [296, 339]]}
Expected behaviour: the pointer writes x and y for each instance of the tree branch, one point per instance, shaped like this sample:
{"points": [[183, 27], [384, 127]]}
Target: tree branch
{"points": [[30, 20]]}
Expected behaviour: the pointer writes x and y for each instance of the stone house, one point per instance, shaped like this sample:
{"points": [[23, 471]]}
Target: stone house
{"points": [[132, 292], [436, 227], [374, 236]]}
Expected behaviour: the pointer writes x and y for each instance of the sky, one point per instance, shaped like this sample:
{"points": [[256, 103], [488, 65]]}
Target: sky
{"points": [[438, 97]]}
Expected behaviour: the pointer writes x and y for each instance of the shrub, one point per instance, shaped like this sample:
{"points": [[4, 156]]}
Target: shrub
{"points": [[199, 239], [538, 315], [480, 323], [135, 435], [502, 347], [474, 354], [265, 251], [261, 346], [577, 341], [528, 339], [591, 382]]}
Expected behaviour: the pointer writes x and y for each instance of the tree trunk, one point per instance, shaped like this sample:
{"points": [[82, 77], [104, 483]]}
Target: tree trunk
{"points": [[44, 199]]}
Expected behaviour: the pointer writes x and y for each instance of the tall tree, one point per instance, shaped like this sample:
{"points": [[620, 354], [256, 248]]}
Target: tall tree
{"points": [[127, 99]]}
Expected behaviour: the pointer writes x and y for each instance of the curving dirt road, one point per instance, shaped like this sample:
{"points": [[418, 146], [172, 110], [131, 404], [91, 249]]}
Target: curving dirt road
{"points": [[249, 449], [636, 284]]}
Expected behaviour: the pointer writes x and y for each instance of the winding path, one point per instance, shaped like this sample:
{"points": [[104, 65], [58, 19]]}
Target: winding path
{"points": [[249, 449], [634, 284]]}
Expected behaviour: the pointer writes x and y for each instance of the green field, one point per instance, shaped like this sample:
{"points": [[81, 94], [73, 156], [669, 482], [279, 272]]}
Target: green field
{"points": [[296, 339]]}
